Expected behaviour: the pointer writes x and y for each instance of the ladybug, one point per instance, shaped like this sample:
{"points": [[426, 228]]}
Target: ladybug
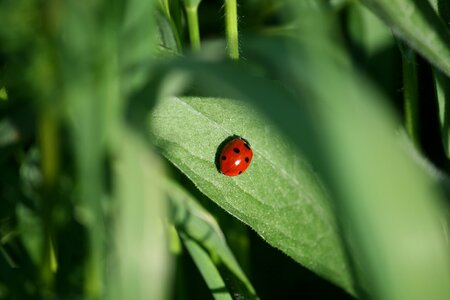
{"points": [[235, 156]]}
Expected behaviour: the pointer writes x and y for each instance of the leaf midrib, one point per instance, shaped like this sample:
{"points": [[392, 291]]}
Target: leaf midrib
{"points": [[293, 181]]}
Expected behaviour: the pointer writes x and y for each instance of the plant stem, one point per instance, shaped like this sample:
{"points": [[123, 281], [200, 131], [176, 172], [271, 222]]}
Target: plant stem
{"points": [[194, 31], [166, 8], [410, 94], [49, 146], [443, 94], [231, 21], [442, 85]]}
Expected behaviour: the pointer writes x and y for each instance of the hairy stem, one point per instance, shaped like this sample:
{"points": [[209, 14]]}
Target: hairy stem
{"points": [[194, 31], [231, 20]]}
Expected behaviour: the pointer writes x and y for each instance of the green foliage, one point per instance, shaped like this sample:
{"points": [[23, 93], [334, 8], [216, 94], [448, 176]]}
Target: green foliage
{"points": [[290, 211], [140, 241], [110, 130], [418, 24], [206, 244]]}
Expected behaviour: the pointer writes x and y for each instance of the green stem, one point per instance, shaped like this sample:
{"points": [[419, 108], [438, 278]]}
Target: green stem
{"points": [[442, 83], [194, 31], [231, 21], [49, 146], [166, 8], [443, 94], [410, 85]]}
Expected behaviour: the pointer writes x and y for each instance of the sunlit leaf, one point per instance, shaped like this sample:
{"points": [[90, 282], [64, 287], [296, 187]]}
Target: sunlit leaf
{"points": [[279, 196]]}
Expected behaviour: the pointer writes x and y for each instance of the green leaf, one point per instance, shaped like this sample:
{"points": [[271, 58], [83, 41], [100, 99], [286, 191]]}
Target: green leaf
{"points": [[174, 14], [443, 96], [443, 85], [418, 24], [206, 244], [367, 30], [411, 93], [279, 196], [166, 34], [92, 99], [390, 210], [207, 269], [138, 40], [31, 232], [141, 264]]}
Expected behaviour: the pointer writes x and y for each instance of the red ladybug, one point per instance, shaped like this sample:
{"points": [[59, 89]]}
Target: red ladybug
{"points": [[235, 157]]}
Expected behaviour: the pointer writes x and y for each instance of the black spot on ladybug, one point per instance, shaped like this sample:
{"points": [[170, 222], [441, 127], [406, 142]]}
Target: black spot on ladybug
{"points": [[236, 150], [240, 172], [247, 160], [224, 157], [247, 146]]}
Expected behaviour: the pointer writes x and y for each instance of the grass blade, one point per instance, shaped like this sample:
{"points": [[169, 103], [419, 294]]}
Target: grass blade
{"points": [[418, 24], [209, 272], [143, 263], [207, 246]]}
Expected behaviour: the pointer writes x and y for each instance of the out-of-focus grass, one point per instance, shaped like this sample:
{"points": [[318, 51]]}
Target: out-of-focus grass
{"points": [[93, 101]]}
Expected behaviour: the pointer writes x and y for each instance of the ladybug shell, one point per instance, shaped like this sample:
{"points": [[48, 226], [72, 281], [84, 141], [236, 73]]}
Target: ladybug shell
{"points": [[235, 157]]}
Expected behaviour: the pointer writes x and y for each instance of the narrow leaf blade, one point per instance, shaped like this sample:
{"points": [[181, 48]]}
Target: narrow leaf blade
{"points": [[198, 229]]}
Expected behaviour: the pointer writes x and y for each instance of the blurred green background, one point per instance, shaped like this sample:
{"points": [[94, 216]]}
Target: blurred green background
{"points": [[112, 114]]}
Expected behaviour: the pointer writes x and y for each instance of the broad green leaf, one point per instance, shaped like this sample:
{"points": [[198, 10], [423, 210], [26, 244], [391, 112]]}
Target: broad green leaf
{"points": [[279, 196], [389, 209], [419, 25], [206, 244]]}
